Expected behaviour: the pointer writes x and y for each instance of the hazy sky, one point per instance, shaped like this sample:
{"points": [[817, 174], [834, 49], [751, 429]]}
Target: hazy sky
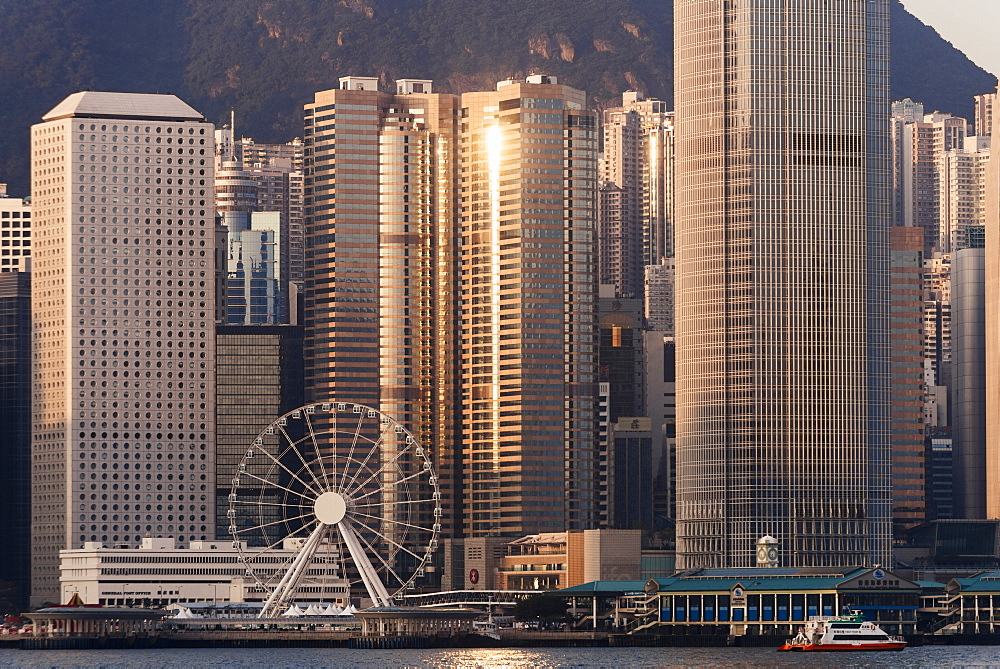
{"points": [[971, 25]]}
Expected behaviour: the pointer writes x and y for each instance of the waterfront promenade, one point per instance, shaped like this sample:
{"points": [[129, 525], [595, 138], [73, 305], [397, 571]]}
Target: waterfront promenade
{"points": [[304, 637]]}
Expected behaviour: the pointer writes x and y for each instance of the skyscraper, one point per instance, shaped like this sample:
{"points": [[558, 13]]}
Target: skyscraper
{"points": [[962, 195], [925, 145], [529, 345], [450, 246], [659, 296], [636, 199], [123, 405], [261, 177], [277, 169], [622, 389], [257, 285], [909, 507], [968, 382], [984, 114], [992, 321], [381, 290], [15, 430], [783, 204], [904, 112], [258, 378], [937, 337]]}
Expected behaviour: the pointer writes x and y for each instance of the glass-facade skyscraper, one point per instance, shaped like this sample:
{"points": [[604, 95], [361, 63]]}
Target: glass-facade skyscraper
{"points": [[783, 205], [15, 430], [381, 320], [258, 378], [529, 330], [449, 282], [257, 285]]}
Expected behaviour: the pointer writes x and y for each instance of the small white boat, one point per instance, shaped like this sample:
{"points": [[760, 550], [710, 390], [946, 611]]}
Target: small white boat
{"points": [[849, 632], [486, 628]]}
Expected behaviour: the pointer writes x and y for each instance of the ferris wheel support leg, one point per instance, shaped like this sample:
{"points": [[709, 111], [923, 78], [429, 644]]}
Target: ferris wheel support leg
{"points": [[290, 581], [376, 589]]}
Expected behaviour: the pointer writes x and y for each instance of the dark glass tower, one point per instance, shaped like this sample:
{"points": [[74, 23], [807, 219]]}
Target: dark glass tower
{"points": [[15, 433], [259, 377]]}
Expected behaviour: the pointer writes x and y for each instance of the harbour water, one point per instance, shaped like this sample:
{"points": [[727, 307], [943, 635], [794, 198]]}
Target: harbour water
{"points": [[508, 658]]}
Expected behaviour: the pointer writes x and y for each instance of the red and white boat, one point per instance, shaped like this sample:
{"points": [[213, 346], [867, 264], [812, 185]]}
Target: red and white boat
{"points": [[849, 632]]}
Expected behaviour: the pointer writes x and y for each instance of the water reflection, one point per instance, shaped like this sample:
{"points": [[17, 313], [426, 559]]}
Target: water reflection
{"points": [[502, 658]]}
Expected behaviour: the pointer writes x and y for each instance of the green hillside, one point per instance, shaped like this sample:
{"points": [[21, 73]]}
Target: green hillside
{"points": [[264, 58]]}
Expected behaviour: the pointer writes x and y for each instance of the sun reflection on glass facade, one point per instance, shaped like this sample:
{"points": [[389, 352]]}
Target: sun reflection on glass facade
{"points": [[528, 309]]}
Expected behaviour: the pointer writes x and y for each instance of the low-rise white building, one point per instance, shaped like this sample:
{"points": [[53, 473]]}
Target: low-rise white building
{"points": [[157, 573]]}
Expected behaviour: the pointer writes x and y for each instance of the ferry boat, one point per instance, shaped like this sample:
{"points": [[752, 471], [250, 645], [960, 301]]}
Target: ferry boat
{"points": [[848, 632]]}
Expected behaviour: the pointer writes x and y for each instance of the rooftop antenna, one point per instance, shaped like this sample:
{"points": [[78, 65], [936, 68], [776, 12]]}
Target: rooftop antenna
{"points": [[232, 130]]}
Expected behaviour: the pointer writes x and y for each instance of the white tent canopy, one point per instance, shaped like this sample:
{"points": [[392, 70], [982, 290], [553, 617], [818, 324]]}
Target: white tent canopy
{"points": [[293, 612], [184, 613], [314, 610]]}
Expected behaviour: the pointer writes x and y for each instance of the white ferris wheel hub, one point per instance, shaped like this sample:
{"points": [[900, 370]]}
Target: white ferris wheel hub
{"points": [[330, 508]]}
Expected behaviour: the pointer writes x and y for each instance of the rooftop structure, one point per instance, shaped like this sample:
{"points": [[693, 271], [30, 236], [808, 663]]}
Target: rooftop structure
{"points": [[103, 104]]}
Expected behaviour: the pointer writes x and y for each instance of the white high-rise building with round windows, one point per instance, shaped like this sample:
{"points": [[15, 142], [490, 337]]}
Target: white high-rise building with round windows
{"points": [[124, 308], [782, 211]]}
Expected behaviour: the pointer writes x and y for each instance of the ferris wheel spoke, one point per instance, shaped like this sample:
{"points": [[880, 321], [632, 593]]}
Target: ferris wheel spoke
{"points": [[388, 540], [380, 490], [272, 483], [376, 445], [381, 469], [293, 446], [395, 503], [381, 559], [315, 445], [289, 471], [387, 519], [270, 547], [354, 443], [274, 522]]}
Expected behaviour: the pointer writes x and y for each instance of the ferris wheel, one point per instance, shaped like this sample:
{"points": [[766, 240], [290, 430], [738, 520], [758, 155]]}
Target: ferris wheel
{"points": [[341, 484]]}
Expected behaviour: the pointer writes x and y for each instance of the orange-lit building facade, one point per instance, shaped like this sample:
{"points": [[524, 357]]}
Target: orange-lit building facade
{"points": [[783, 204], [906, 246], [529, 338], [450, 282], [381, 307]]}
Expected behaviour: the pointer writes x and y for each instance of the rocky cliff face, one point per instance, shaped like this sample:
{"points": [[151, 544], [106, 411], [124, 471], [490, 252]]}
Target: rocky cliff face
{"points": [[264, 58]]}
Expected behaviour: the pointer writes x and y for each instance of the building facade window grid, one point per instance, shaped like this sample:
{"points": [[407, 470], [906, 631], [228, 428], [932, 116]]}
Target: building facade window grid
{"points": [[782, 336]]}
